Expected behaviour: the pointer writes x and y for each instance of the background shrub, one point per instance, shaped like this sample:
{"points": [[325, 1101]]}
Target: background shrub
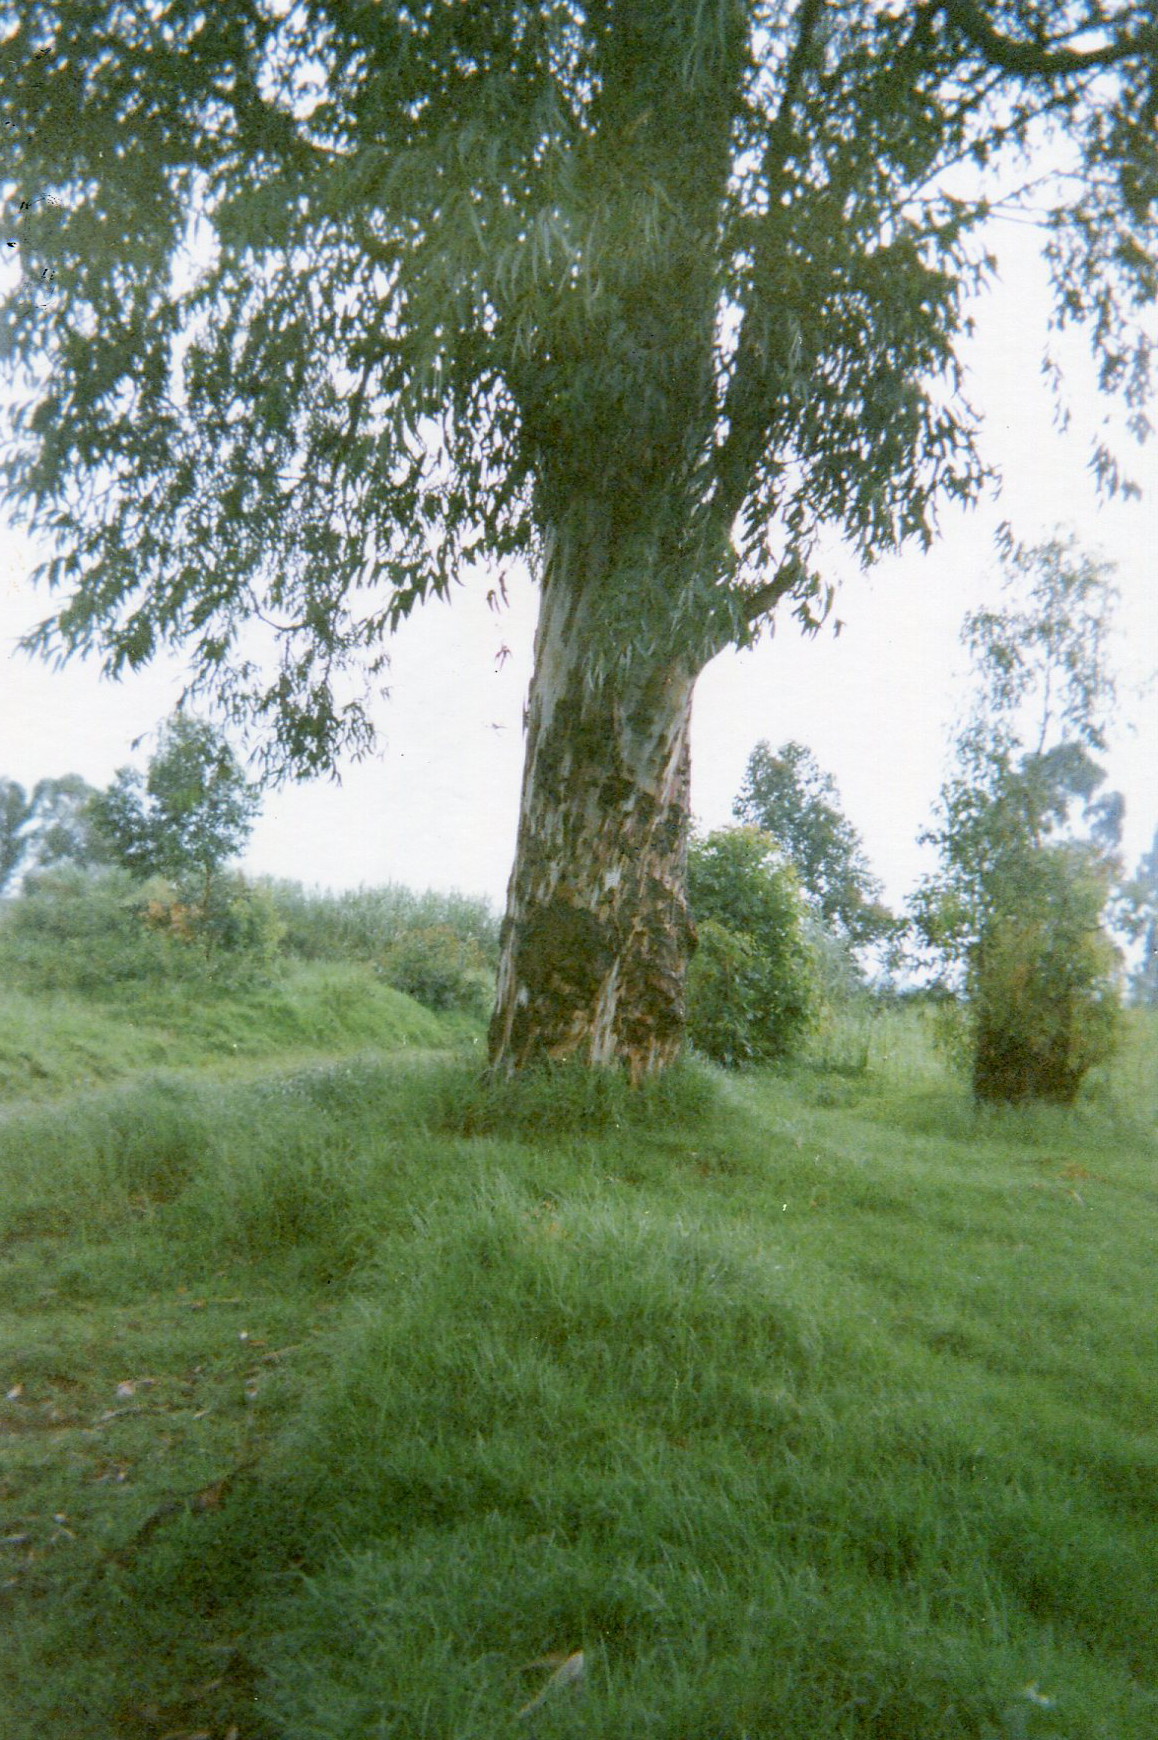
{"points": [[752, 985], [441, 968], [364, 924], [95, 929], [1046, 992], [85, 930]]}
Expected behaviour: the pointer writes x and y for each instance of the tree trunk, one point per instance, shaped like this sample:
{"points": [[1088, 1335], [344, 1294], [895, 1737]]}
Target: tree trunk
{"points": [[597, 934]]}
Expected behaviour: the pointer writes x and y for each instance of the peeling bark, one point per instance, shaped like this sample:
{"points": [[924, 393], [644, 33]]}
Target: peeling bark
{"points": [[597, 933]]}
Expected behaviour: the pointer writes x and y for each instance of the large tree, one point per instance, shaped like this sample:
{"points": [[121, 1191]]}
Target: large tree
{"points": [[647, 290], [15, 816], [1137, 915], [50, 825]]}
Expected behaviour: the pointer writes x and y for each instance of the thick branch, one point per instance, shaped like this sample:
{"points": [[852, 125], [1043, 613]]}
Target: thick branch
{"points": [[743, 610], [1036, 60], [766, 597]]}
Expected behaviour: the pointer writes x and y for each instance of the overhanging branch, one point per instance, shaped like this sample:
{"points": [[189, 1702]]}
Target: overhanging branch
{"points": [[743, 610], [765, 598], [1039, 60]]}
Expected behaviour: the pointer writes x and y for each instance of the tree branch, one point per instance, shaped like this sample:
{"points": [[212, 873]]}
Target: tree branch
{"points": [[766, 597], [1035, 60], [733, 459]]}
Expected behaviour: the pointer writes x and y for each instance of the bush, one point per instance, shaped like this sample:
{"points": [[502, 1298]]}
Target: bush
{"points": [[83, 930], [364, 924], [91, 930], [752, 985], [234, 919], [1046, 993], [438, 967]]}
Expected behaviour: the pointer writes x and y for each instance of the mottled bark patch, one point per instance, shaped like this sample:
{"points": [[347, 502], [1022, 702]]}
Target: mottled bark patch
{"points": [[565, 947], [597, 934]]}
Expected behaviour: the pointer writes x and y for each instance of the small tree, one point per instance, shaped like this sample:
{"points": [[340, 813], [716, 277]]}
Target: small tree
{"points": [[1027, 844], [15, 814], [52, 825], [793, 799], [1138, 917], [187, 816], [751, 989]]}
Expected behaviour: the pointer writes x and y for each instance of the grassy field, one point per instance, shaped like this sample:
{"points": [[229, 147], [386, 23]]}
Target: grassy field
{"points": [[337, 1391]]}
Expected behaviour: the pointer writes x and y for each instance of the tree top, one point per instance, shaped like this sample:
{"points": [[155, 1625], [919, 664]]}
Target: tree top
{"points": [[343, 298]]}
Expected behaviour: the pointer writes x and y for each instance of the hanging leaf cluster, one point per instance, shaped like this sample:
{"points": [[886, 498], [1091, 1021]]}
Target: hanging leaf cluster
{"points": [[344, 299]]}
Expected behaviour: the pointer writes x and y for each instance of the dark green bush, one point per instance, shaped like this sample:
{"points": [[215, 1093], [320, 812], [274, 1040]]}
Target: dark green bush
{"points": [[1045, 985], [440, 968], [752, 989]]}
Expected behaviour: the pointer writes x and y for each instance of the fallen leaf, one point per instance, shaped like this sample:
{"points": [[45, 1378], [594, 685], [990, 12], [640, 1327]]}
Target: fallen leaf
{"points": [[15, 1393], [571, 1671], [211, 1497]]}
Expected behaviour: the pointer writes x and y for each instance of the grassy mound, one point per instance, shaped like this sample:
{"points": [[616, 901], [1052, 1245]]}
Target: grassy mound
{"points": [[803, 1404], [55, 1043]]}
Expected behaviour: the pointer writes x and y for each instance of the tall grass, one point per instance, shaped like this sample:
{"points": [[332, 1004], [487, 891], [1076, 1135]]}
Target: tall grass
{"points": [[64, 1042], [800, 1414]]}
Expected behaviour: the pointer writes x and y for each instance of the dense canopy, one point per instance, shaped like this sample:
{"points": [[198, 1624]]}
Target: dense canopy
{"points": [[696, 271], [325, 302]]}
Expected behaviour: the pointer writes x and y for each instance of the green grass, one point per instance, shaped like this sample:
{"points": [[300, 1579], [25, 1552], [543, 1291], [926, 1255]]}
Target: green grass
{"points": [[51, 1043], [807, 1404]]}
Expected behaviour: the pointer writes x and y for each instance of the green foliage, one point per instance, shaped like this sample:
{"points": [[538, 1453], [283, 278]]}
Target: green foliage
{"points": [[751, 991], [64, 827], [97, 930], [1019, 904], [192, 811], [15, 812], [80, 930], [51, 825], [439, 948], [233, 919], [790, 797], [364, 924], [94, 931], [439, 968], [1046, 984], [656, 275], [1137, 913]]}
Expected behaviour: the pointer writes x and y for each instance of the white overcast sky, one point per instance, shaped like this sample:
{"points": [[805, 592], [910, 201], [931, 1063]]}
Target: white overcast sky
{"points": [[438, 806]]}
